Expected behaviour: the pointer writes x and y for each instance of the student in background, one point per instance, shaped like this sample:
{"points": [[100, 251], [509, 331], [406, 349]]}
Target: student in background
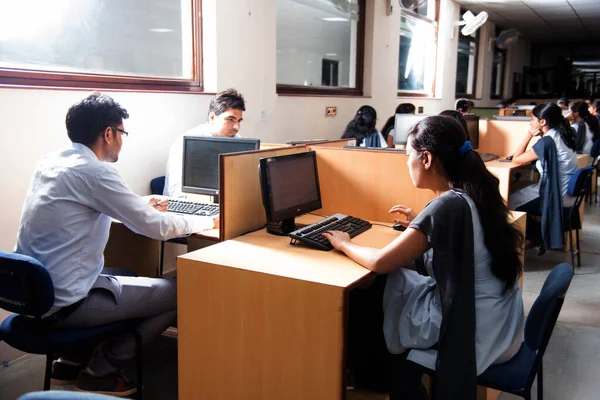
{"points": [[225, 115], [388, 131], [362, 128], [594, 109], [464, 232], [563, 103], [586, 126], [463, 106], [456, 115], [546, 120], [65, 225]]}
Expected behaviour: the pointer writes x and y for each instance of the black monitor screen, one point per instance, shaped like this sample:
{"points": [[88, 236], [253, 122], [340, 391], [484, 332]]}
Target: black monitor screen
{"points": [[403, 124], [473, 129], [201, 161], [290, 185]]}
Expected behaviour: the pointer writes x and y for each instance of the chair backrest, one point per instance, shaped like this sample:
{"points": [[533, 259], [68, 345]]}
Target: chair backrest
{"points": [[544, 312], [595, 153], [25, 285], [577, 183], [157, 185]]}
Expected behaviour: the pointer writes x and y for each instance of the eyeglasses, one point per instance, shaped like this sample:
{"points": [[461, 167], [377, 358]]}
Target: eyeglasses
{"points": [[123, 132]]}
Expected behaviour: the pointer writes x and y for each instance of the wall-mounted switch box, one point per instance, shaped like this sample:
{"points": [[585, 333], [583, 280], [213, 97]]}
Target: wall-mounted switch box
{"points": [[420, 109], [331, 111]]}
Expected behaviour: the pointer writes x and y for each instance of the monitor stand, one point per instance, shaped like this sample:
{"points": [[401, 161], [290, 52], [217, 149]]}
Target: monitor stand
{"points": [[284, 228]]}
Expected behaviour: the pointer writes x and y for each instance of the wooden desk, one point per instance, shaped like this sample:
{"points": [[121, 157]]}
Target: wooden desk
{"points": [[259, 318]]}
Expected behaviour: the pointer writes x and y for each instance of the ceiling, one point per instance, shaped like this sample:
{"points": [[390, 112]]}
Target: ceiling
{"points": [[544, 21]]}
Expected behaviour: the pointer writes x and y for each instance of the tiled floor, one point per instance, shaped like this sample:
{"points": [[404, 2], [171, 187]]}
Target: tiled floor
{"points": [[571, 363]]}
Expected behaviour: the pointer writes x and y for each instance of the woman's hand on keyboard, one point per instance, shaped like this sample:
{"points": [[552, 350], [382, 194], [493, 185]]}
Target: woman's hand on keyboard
{"points": [[407, 212], [158, 204], [337, 238]]}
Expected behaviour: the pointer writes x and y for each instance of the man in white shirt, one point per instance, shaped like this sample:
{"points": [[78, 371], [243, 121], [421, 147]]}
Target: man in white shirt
{"points": [[65, 224], [225, 114]]}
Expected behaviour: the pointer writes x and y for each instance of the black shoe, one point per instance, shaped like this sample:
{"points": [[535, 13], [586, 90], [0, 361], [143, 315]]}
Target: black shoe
{"points": [[114, 384], [64, 373]]}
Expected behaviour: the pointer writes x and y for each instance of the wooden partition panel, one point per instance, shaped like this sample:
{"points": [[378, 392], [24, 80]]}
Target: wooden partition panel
{"points": [[366, 183], [502, 137], [333, 143], [239, 190], [266, 146]]}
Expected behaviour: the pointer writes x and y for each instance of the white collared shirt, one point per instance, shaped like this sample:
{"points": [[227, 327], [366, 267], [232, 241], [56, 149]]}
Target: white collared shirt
{"points": [[66, 219], [174, 172]]}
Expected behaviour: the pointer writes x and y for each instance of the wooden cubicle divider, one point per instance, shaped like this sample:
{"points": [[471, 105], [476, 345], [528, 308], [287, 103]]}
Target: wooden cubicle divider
{"points": [[366, 183], [239, 190], [332, 143], [502, 137], [267, 146]]}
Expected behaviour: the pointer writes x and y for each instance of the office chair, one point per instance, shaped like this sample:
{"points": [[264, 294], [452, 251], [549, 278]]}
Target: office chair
{"points": [[157, 186], [26, 289], [594, 154], [516, 376], [578, 185]]}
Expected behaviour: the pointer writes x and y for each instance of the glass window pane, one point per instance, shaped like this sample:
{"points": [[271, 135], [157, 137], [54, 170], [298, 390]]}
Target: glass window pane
{"points": [[417, 56], [465, 66], [498, 74], [317, 42], [111, 37], [424, 8]]}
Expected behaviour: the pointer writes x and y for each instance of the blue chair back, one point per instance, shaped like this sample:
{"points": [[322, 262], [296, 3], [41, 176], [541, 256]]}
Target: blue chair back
{"points": [[595, 152], [544, 312], [25, 285], [157, 185], [577, 183]]}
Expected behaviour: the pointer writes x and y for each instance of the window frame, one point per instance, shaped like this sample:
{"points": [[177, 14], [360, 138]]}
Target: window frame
{"points": [[435, 22], [475, 40], [39, 78], [300, 90]]}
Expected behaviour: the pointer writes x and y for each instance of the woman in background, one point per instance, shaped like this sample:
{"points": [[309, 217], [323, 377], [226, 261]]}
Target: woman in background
{"points": [[362, 128], [546, 120], [388, 131], [586, 126]]}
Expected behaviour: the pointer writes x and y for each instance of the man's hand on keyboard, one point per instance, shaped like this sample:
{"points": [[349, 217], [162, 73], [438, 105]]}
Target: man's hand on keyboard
{"points": [[216, 222], [158, 204], [337, 238], [407, 212]]}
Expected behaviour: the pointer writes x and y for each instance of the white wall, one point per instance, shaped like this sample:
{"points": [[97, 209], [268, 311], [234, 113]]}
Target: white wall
{"points": [[245, 52]]}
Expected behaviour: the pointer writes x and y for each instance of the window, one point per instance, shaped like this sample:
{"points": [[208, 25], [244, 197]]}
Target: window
{"points": [[466, 64], [498, 67], [418, 47], [139, 44], [320, 46]]}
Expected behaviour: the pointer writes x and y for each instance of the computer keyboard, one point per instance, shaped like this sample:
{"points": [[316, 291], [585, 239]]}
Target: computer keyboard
{"points": [[393, 149], [312, 234], [488, 156], [192, 208]]}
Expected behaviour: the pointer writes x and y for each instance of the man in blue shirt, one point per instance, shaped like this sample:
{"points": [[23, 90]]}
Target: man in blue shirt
{"points": [[65, 224]]}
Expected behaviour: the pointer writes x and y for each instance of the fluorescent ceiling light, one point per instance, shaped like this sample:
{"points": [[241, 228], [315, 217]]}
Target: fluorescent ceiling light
{"points": [[161, 30], [331, 54], [335, 19]]}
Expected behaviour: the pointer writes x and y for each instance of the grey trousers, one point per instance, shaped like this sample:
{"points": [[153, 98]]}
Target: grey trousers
{"points": [[118, 298]]}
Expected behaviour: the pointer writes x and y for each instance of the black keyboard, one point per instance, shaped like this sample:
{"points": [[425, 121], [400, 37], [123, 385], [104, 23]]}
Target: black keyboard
{"points": [[488, 156], [192, 208], [312, 234]]}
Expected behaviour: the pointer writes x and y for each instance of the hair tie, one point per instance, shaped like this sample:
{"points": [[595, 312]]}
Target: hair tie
{"points": [[464, 148]]}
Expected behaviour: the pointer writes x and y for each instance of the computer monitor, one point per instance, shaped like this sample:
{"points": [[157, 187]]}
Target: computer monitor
{"points": [[201, 161], [473, 129], [403, 124], [290, 187]]}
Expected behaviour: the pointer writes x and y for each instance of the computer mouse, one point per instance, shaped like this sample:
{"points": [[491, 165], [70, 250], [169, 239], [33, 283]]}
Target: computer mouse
{"points": [[509, 158], [399, 227]]}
